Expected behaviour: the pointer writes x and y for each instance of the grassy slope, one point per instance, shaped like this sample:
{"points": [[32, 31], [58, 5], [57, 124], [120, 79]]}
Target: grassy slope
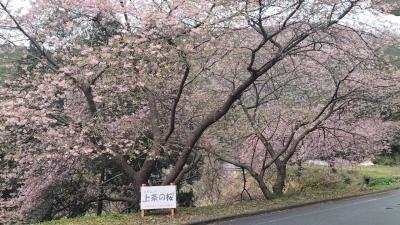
{"points": [[394, 52], [186, 215], [7, 58]]}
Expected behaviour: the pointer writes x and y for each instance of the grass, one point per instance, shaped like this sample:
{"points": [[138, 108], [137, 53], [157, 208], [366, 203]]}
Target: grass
{"points": [[380, 171], [382, 178], [8, 59], [393, 51]]}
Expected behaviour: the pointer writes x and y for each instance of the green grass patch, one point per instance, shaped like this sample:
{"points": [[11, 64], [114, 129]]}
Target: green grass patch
{"points": [[8, 62], [380, 171], [384, 181]]}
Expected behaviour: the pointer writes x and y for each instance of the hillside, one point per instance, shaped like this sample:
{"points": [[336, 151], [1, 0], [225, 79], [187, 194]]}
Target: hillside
{"points": [[317, 184], [8, 58], [394, 52]]}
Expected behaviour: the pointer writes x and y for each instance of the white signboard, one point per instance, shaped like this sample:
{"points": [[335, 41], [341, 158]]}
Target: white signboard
{"points": [[158, 197]]}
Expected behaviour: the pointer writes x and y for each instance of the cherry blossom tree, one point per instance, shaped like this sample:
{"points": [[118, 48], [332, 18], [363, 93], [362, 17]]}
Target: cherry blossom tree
{"points": [[132, 83], [327, 107]]}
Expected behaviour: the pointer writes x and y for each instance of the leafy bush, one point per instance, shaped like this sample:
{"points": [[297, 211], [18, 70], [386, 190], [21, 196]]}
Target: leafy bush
{"points": [[186, 198], [384, 181], [347, 180]]}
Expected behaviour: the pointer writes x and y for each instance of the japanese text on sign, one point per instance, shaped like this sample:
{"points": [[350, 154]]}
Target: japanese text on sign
{"points": [[158, 197]]}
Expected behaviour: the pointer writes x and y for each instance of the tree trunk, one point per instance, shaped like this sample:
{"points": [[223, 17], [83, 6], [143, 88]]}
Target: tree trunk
{"points": [[332, 167], [279, 184], [264, 189], [136, 204], [140, 180], [100, 202], [135, 178]]}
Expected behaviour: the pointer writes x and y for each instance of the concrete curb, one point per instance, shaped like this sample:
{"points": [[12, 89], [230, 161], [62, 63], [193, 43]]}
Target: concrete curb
{"points": [[254, 213]]}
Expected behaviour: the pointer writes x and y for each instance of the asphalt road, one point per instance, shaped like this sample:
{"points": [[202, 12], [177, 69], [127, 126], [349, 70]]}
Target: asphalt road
{"points": [[375, 209]]}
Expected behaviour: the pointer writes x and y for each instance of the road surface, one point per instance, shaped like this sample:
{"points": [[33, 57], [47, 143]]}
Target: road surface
{"points": [[375, 209]]}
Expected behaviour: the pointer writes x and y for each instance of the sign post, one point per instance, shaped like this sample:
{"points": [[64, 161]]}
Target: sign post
{"points": [[158, 197], [173, 210], [142, 211]]}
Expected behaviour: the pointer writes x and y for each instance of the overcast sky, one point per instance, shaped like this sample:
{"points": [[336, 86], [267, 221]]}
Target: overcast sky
{"points": [[390, 23]]}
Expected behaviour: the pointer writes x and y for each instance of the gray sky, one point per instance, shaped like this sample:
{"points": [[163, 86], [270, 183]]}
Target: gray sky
{"points": [[391, 23]]}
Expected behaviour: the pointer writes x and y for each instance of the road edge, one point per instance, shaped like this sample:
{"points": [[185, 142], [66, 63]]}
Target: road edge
{"points": [[299, 205]]}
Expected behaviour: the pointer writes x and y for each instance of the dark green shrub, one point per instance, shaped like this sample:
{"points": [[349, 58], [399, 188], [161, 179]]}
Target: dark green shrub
{"points": [[347, 180], [186, 198]]}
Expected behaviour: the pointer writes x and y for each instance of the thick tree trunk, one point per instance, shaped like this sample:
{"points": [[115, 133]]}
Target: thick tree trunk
{"points": [[263, 187], [136, 204], [279, 184], [137, 184], [136, 178], [100, 202], [332, 166]]}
